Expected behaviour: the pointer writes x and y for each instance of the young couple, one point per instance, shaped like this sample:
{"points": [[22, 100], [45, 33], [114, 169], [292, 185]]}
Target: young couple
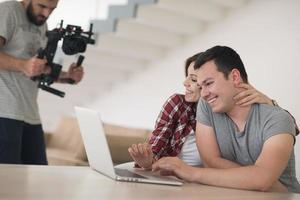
{"points": [[244, 139]]}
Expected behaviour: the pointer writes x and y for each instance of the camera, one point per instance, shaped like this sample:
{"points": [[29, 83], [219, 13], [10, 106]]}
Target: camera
{"points": [[75, 41]]}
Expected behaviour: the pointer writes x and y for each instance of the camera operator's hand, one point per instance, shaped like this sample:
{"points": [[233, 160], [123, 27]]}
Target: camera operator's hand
{"points": [[34, 66], [75, 72]]}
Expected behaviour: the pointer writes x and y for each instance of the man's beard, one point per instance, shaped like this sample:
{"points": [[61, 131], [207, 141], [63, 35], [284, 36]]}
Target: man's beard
{"points": [[33, 18]]}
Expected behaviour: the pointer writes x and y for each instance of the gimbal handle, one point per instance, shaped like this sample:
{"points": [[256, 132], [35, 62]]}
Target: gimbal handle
{"points": [[51, 90], [78, 63], [40, 55]]}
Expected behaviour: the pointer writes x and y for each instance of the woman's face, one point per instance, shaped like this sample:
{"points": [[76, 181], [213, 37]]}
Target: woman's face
{"points": [[192, 91]]}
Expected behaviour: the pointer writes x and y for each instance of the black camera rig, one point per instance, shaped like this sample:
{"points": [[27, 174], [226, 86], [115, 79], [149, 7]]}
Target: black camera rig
{"points": [[75, 41]]}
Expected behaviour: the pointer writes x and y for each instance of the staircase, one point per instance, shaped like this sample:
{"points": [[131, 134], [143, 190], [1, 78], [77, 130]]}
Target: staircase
{"points": [[133, 35]]}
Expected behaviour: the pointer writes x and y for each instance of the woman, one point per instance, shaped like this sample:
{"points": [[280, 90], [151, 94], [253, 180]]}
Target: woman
{"points": [[174, 133]]}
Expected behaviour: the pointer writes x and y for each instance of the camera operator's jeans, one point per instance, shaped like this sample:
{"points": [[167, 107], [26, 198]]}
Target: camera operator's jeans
{"points": [[21, 143]]}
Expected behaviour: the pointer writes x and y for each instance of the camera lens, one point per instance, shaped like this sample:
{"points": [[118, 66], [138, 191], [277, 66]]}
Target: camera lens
{"points": [[73, 44]]}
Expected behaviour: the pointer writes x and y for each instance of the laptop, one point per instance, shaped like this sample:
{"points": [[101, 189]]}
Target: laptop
{"points": [[99, 156]]}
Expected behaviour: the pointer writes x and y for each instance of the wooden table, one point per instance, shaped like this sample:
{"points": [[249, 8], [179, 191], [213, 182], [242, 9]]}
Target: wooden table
{"points": [[65, 182]]}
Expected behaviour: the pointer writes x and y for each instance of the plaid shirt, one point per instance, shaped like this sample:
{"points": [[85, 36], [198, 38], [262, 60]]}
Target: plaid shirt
{"points": [[175, 122]]}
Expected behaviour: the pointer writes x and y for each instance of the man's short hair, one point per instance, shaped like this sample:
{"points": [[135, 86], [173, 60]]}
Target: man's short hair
{"points": [[225, 58]]}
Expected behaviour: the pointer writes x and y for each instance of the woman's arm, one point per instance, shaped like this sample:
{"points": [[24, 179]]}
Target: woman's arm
{"points": [[145, 154], [250, 95]]}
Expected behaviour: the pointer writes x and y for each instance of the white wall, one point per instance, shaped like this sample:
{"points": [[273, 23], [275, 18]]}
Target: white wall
{"points": [[266, 34]]}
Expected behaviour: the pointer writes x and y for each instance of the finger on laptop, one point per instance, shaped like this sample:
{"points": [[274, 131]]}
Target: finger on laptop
{"points": [[133, 150], [141, 149]]}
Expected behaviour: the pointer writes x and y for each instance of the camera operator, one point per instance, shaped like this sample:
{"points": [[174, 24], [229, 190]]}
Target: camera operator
{"points": [[22, 33]]}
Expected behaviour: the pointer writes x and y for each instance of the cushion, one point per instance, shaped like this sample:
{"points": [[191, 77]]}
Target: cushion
{"points": [[61, 157], [67, 137], [120, 138]]}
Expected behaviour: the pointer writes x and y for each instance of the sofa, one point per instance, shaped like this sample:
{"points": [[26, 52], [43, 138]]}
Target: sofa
{"points": [[65, 146]]}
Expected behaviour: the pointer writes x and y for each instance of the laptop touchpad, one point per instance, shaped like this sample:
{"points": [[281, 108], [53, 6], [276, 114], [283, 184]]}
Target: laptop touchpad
{"points": [[127, 173]]}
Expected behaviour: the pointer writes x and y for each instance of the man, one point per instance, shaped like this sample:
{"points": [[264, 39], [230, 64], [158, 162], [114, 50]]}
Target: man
{"points": [[22, 33], [248, 147]]}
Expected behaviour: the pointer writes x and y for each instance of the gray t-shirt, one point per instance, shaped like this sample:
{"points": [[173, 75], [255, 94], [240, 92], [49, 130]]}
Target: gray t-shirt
{"points": [[18, 93], [244, 148]]}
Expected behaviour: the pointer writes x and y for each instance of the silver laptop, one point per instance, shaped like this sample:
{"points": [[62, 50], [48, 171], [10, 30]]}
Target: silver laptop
{"points": [[99, 156]]}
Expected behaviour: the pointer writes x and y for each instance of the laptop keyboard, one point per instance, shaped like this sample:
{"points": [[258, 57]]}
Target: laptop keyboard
{"points": [[127, 173]]}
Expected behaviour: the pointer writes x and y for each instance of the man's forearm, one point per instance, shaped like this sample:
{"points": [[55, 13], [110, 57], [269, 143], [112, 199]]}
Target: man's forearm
{"points": [[249, 178], [8, 62], [63, 76], [220, 163]]}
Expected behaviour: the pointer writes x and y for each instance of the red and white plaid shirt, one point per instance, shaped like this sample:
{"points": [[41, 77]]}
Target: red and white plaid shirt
{"points": [[175, 122]]}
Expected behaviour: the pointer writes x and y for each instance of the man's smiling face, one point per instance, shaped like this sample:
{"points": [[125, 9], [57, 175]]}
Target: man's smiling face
{"points": [[216, 89]]}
